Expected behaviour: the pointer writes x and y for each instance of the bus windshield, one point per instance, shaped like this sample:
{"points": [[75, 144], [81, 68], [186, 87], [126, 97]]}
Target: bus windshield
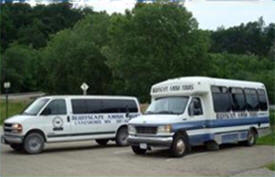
{"points": [[168, 105], [35, 107]]}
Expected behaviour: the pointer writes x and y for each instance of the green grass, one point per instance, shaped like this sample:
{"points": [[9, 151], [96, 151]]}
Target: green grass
{"points": [[270, 166], [15, 107], [269, 139]]}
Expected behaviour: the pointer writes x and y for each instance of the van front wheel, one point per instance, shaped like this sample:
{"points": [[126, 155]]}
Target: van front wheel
{"points": [[122, 137], [34, 143]]}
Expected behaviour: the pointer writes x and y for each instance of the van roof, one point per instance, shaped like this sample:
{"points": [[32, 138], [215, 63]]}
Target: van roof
{"points": [[89, 96], [190, 85]]}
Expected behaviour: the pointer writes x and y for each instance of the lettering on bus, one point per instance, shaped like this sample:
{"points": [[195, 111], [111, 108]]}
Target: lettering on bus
{"points": [[172, 88]]}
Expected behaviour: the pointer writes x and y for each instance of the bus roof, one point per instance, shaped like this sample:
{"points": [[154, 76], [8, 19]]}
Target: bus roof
{"points": [[193, 85]]}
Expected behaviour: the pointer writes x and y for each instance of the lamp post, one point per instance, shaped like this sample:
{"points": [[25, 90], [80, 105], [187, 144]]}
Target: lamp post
{"points": [[7, 85]]}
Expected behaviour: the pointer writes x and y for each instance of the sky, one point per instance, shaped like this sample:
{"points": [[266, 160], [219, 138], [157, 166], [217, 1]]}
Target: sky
{"points": [[209, 13]]}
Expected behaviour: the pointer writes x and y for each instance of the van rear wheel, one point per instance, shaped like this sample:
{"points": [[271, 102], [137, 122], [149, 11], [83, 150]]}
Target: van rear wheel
{"points": [[33, 143], [122, 137], [102, 142]]}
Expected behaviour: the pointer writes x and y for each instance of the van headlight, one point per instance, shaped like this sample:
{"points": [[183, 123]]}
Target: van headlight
{"points": [[165, 129], [16, 128], [131, 129]]}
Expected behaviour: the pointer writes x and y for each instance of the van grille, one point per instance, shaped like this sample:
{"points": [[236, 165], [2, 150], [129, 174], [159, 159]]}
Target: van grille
{"points": [[146, 130], [7, 127]]}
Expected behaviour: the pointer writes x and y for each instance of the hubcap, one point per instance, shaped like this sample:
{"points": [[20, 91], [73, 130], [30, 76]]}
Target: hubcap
{"points": [[124, 137], [34, 144], [251, 138], [180, 146]]}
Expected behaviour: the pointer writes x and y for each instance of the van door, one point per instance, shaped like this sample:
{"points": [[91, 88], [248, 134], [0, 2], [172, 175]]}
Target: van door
{"points": [[55, 119], [87, 118]]}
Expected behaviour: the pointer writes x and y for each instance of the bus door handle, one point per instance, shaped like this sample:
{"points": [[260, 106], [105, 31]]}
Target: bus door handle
{"points": [[68, 118]]}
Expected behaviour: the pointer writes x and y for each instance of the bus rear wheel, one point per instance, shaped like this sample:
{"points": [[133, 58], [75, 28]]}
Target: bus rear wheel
{"points": [[251, 138]]}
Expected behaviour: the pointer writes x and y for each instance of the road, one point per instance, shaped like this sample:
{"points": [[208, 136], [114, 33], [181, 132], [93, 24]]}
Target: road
{"points": [[89, 159]]}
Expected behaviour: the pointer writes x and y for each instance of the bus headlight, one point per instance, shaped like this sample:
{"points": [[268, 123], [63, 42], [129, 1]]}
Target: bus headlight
{"points": [[131, 129], [17, 128], [165, 129]]}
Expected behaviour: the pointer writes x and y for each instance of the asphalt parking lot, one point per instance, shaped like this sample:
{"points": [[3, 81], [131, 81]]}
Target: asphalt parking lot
{"points": [[89, 159]]}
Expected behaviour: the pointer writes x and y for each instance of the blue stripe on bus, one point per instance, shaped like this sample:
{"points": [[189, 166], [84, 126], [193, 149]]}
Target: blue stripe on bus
{"points": [[218, 123]]}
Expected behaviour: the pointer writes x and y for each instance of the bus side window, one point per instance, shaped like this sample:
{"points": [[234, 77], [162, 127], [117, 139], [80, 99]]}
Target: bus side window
{"points": [[252, 100], [195, 107]]}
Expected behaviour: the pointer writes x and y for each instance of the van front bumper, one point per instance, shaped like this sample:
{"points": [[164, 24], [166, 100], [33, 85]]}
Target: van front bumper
{"points": [[150, 141], [11, 139]]}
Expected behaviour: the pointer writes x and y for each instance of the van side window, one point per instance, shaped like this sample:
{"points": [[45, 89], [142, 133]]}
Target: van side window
{"points": [[252, 100], [119, 106], [262, 99], [195, 107], [86, 106], [238, 99], [56, 107], [221, 99]]}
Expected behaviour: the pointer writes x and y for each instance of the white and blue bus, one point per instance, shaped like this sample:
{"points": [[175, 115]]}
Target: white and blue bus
{"points": [[192, 111]]}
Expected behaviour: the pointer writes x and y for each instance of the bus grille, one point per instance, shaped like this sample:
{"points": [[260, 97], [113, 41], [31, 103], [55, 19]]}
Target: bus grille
{"points": [[146, 130]]}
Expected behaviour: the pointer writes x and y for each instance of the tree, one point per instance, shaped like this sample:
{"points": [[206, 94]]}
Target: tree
{"points": [[151, 43], [73, 56], [253, 38], [17, 67]]}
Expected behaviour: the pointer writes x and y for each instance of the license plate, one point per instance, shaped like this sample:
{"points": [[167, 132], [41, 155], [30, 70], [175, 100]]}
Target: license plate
{"points": [[143, 146]]}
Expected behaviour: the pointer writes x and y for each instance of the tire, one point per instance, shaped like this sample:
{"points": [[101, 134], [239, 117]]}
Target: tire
{"points": [[102, 142], [251, 138], [34, 143], [179, 146], [137, 150], [17, 147], [122, 137]]}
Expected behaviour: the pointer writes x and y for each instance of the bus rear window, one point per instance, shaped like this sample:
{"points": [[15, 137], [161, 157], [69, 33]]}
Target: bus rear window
{"points": [[262, 99]]}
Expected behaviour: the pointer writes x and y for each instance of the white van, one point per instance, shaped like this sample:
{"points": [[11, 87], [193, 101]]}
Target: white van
{"points": [[191, 111], [70, 118]]}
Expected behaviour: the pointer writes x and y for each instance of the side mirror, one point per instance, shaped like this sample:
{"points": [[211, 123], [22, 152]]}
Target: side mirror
{"points": [[127, 111], [47, 111]]}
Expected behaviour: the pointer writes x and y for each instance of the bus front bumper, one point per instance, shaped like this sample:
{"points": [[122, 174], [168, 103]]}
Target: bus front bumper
{"points": [[150, 141]]}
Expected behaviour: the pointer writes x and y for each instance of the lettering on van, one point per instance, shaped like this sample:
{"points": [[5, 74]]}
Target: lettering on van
{"points": [[99, 119], [172, 88], [57, 124]]}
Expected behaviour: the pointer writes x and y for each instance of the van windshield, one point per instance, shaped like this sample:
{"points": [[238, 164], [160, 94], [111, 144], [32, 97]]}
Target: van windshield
{"points": [[168, 105], [35, 107]]}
